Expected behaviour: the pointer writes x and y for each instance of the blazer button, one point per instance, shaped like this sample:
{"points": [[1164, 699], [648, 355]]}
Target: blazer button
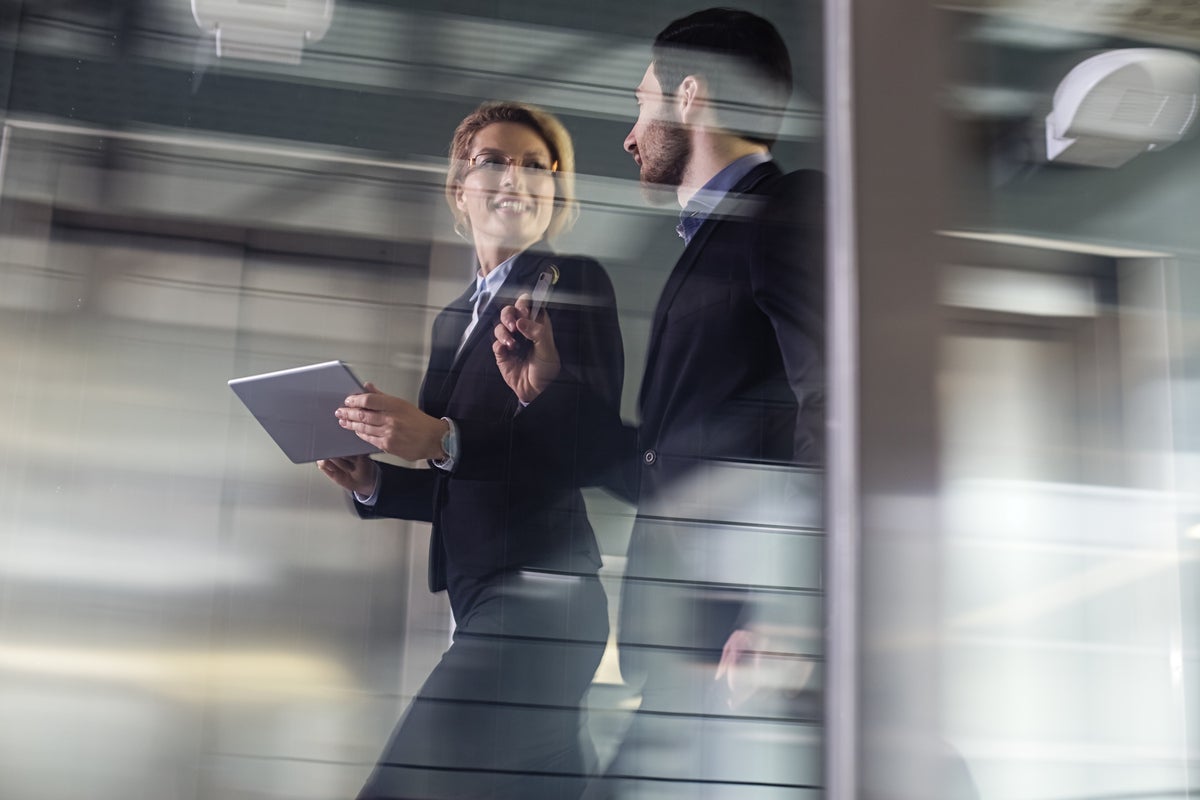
{"points": [[649, 457]]}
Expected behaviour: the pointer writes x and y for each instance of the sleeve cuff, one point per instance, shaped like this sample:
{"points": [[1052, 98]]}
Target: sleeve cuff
{"points": [[373, 498], [450, 445]]}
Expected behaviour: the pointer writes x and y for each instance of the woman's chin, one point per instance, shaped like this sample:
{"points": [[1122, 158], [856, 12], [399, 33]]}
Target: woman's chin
{"points": [[516, 239]]}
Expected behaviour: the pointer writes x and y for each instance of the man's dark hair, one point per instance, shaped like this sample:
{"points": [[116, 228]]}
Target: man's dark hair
{"points": [[741, 57]]}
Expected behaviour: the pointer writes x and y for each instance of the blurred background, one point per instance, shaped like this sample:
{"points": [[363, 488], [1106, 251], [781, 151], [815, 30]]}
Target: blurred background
{"points": [[1016, 469]]}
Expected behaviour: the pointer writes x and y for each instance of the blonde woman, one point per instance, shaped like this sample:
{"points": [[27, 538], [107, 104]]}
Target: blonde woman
{"points": [[500, 716]]}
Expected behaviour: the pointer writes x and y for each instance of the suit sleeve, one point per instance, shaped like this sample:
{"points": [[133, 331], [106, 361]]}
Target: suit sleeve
{"points": [[569, 437], [404, 493], [787, 277], [788, 282]]}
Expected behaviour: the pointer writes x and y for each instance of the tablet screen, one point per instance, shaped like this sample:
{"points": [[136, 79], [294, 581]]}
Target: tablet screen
{"points": [[295, 406]]}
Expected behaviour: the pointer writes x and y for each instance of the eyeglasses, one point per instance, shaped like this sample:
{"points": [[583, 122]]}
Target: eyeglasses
{"points": [[493, 162]]}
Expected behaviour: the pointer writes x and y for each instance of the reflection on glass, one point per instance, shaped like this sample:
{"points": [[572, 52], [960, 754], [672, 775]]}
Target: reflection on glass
{"points": [[1066, 654], [183, 613]]}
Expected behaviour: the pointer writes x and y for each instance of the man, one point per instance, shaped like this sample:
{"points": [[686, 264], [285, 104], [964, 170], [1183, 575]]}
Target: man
{"points": [[724, 466]]}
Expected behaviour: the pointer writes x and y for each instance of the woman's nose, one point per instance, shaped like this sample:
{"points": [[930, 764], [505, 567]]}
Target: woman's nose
{"points": [[511, 175]]}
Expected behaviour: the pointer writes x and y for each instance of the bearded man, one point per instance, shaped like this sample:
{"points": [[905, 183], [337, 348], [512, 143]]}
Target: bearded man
{"points": [[720, 600]]}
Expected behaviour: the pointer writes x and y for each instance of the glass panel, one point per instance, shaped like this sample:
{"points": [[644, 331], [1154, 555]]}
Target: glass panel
{"points": [[1067, 363], [195, 192]]}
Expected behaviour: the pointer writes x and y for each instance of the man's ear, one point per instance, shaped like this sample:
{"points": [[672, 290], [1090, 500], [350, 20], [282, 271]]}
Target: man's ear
{"points": [[691, 98]]}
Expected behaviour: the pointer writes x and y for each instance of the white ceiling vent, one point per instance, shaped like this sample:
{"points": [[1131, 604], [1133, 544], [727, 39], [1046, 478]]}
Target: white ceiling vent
{"points": [[263, 30], [1121, 103]]}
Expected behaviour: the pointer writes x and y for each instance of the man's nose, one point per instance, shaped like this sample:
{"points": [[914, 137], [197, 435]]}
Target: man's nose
{"points": [[630, 142]]}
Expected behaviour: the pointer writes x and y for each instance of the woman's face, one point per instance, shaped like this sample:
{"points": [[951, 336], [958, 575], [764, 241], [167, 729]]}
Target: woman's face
{"points": [[507, 191]]}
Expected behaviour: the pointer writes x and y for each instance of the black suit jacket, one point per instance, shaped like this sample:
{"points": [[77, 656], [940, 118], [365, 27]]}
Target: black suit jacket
{"points": [[734, 368], [495, 511], [732, 409], [732, 399]]}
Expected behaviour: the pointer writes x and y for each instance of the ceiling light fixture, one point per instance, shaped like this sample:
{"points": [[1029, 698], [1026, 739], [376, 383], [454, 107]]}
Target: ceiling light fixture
{"points": [[263, 30], [1121, 103]]}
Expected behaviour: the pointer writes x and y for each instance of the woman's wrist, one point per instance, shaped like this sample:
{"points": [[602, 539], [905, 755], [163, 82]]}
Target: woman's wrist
{"points": [[443, 446], [370, 483]]}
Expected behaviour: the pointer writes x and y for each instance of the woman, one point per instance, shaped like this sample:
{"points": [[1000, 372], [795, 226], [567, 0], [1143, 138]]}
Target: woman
{"points": [[499, 716]]}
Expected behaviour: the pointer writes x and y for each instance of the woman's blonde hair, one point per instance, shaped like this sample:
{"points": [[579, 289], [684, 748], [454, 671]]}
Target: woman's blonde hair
{"points": [[546, 126]]}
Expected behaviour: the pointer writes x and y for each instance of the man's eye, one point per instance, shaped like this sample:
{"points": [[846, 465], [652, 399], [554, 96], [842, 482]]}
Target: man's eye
{"points": [[538, 166], [490, 161]]}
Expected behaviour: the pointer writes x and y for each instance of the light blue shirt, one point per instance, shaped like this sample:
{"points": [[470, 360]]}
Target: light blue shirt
{"points": [[486, 285], [703, 202]]}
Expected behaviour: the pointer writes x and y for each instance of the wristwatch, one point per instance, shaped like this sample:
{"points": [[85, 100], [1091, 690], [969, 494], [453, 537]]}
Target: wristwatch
{"points": [[449, 443]]}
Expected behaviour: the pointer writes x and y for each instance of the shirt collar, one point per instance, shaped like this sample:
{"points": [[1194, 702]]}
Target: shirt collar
{"points": [[492, 282], [704, 201]]}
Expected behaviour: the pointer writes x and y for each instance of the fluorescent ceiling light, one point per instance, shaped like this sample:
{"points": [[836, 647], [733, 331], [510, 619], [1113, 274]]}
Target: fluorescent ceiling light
{"points": [[1019, 292], [1061, 245]]}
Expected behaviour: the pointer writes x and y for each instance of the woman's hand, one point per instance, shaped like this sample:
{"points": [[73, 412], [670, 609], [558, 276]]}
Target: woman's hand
{"points": [[527, 367], [353, 473], [393, 425]]}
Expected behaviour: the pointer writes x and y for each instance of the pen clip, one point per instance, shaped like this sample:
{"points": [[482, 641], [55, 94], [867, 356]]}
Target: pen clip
{"points": [[541, 291]]}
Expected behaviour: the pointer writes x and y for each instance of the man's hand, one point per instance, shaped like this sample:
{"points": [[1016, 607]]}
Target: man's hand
{"points": [[527, 368], [741, 665], [353, 473], [393, 425]]}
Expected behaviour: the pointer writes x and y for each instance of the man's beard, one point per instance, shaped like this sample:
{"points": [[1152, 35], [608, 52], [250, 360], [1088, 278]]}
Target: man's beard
{"points": [[665, 151]]}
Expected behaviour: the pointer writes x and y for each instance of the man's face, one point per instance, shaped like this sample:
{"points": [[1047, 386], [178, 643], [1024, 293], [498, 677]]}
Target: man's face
{"points": [[658, 142]]}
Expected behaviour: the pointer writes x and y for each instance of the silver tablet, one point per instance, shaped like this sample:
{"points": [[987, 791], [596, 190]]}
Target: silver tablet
{"points": [[295, 406]]}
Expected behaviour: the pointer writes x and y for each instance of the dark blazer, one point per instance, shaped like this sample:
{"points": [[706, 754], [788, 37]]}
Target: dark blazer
{"points": [[733, 385], [493, 513], [734, 369]]}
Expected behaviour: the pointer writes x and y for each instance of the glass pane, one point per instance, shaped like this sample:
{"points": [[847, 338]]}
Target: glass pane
{"points": [[1067, 409], [196, 192]]}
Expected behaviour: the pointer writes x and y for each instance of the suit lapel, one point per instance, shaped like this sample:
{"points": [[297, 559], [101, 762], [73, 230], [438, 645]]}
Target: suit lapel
{"points": [[520, 278], [447, 332], [728, 207], [446, 361]]}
